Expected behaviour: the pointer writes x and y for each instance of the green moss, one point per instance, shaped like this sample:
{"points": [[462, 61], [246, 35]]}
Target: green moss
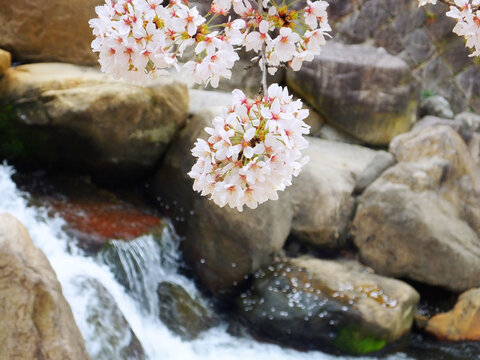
{"points": [[430, 16], [17, 141], [427, 93], [10, 144], [356, 341]]}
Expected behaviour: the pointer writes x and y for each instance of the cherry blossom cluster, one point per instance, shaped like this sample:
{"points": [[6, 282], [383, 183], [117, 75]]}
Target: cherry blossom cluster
{"points": [[253, 149], [139, 39], [467, 15], [289, 35]]}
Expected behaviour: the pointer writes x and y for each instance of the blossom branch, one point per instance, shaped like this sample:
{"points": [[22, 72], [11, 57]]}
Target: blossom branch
{"points": [[264, 57], [264, 70]]}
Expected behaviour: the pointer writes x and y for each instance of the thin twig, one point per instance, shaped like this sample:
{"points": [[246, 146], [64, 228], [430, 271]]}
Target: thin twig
{"points": [[264, 57], [253, 62]]}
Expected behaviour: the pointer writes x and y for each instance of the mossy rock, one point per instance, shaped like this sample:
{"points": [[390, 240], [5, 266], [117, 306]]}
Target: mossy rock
{"points": [[352, 340], [19, 143], [336, 307], [183, 314], [61, 117]]}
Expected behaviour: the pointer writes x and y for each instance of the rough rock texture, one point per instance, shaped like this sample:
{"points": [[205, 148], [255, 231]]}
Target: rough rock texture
{"points": [[359, 89], [321, 196], [424, 212], [311, 302], [328, 132], [36, 321], [471, 120], [429, 121], [382, 161], [436, 106], [221, 244], [5, 61], [462, 323], [54, 30], [421, 36], [67, 116], [108, 330], [467, 125], [183, 314]]}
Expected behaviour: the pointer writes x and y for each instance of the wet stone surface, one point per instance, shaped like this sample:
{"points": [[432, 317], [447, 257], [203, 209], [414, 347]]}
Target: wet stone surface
{"points": [[93, 215], [182, 313], [290, 304]]}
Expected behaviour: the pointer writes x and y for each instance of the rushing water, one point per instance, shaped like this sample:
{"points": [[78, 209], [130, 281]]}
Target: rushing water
{"points": [[151, 263]]}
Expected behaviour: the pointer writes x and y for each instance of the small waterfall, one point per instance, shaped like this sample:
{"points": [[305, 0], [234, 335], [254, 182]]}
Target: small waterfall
{"points": [[144, 262]]}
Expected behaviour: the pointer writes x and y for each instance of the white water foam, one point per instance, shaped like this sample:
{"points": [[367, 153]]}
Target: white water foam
{"points": [[158, 342]]}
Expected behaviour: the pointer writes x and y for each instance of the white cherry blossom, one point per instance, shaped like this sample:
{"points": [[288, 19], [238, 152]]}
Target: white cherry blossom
{"points": [[425, 2], [244, 162]]}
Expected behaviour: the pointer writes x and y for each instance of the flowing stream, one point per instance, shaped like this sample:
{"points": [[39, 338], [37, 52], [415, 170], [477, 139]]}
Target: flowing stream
{"points": [[152, 263]]}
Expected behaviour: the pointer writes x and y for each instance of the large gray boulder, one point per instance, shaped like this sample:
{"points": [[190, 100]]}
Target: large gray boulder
{"points": [[66, 116], [322, 196], [421, 218], [36, 320], [360, 89], [436, 105], [318, 303], [422, 37]]}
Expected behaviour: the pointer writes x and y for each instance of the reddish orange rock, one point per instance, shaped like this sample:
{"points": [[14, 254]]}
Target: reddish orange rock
{"points": [[462, 323], [93, 215], [105, 221]]}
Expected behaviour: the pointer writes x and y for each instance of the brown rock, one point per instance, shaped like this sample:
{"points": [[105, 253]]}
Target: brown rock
{"points": [[462, 323], [54, 30], [184, 314], [422, 215], [67, 116], [5, 61], [93, 215], [37, 322]]}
